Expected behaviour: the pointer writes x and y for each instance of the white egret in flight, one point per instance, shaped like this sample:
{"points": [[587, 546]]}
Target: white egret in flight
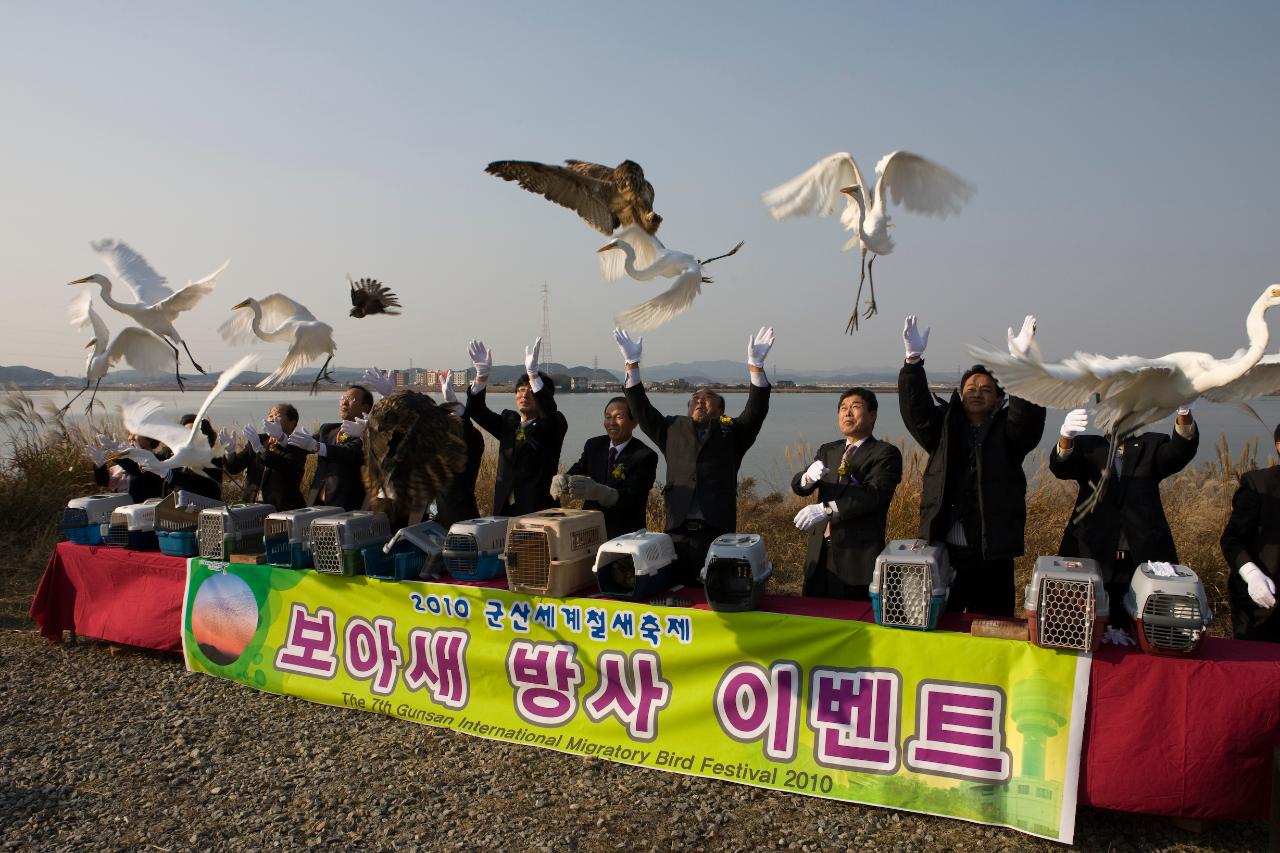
{"points": [[158, 305], [275, 318], [683, 267], [134, 345], [919, 185]]}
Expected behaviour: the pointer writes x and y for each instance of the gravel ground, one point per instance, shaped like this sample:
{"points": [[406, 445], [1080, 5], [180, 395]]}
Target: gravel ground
{"points": [[111, 749]]}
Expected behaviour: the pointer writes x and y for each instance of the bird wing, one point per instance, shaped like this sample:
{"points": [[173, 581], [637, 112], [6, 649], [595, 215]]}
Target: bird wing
{"points": [[147, 417], [373, 297], [584, 194], [224, 380], [311, 340], [186, 298], [1071, 383], [648, 248], [816, 191], [128, 266], [920, 185], [141, 350], [238, 328], [664, 307], [1261, 380], [80, 313]]}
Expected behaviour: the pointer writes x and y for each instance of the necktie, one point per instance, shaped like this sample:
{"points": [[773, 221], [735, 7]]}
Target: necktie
{"points": [[848, 454], [613, 456]]}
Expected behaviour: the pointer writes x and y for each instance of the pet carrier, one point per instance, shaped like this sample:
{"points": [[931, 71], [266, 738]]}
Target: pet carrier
{"points": [[84, 520], [134, 526], [234, 529], [1066, 604], [1169, 609], [552, 552], [177, 519], [286, 535], [736, 571], [473, 549], [910, 584], [336, 540], [636, 565], [413, 553]]}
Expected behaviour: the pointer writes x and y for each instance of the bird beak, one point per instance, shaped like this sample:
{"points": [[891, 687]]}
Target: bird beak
{"points": [[244, 304], [612, 244], [84, 280], [93, 343], [851, 190]]}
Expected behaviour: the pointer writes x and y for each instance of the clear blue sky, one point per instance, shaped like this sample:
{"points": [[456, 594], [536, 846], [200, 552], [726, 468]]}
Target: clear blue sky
{"points": [[1124, 156]]}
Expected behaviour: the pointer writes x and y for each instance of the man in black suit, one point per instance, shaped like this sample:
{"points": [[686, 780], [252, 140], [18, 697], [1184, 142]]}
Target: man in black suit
{"points": [[614, 474], [124, 475], [339, 451], [1128, 526], [855, 479], [703, 450], [1251, 546], [458, 503], [974, 494], [273, 467], [529, 438]]}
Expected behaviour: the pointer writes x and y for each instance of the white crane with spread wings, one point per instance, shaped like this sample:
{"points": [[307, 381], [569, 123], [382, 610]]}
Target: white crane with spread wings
{"points": [[275, 318], [134, 345]]}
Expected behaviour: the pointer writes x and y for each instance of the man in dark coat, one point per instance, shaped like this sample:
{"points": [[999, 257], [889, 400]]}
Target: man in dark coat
{"points": [[703, 451], [458, 503], [1128, 526], [339, 450], [141, 485], [273, 467], [529, 438], [614, 474], [1251, 546], [974, 496], [855, 479]]}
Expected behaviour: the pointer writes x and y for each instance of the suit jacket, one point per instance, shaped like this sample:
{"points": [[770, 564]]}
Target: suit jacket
{"points": [[525, 465], [638, 466], [862, 501], [1131, 503], [458, 503], [1252, 535], [708, 470], [273, 476], [143, 485], [339, 477]]}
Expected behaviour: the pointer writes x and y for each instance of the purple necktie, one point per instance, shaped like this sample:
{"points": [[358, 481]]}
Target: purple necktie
{"points": [[613, 456]]}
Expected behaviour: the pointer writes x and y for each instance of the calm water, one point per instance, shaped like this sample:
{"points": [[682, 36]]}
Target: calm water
{"points": [[793, 419]]}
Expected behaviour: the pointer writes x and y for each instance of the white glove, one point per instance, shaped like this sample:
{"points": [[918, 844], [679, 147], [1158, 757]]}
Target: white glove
{"points": [[1076, 422], [912, 341], [630, 349], [758, 346], [356, 428], [810, 517], [559, 485], [149, 464], [95, 455], [273, 430], [531, 358], [301, 440], [252, 439], [481, 359], [1020, 344], [227, 438], [446, 388], [813, 474], [1183, 411], [583, 488], [111, 444], [1114, 636], [377, 380], [1261, 588]]}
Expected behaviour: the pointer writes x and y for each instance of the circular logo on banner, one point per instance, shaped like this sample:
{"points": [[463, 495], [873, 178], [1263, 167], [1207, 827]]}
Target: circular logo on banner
{"points": [[224, 617]]}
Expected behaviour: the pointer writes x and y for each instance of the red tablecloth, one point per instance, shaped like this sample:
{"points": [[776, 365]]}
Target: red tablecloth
{"points": [[1190, 738]]}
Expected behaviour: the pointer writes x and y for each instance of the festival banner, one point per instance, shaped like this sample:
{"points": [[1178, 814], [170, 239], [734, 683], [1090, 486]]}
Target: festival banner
{"points": [[980, 729]]}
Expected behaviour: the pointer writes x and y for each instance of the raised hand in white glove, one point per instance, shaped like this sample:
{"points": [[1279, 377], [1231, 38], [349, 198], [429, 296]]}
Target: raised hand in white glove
{"points": [[447, 394], [531, 358], [560, 486], [810, 517], [1114, 636], [1076, 422], [273, 430], [356, 428], [252, 438], [912, 340], [377, 380], [1261, 588], [148, 463], [111, 444], [630, 349], [758, 346], [227, 438], [95, 455], [481, 359], [304, 442], [813, 474], [1185, 411], [1022, 344]]}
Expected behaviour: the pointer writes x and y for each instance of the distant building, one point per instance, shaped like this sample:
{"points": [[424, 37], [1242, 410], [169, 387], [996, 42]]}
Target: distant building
{"points": [[423, 377], [398, 379]]}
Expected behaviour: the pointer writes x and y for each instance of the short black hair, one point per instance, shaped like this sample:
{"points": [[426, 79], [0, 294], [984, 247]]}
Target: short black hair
{"points": [[868, 398], [205, 427], [548, 383], [630, 415], [1275, 436], [290, 411], [981, 368], [366, 396]]}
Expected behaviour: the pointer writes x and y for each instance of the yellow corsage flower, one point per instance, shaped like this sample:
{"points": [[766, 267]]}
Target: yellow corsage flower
{"points": [[520, 436], [618, 473]]}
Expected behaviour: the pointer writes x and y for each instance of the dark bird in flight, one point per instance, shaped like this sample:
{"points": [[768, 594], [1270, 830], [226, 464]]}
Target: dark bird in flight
{"points": [[371, 297], [607, 198]]}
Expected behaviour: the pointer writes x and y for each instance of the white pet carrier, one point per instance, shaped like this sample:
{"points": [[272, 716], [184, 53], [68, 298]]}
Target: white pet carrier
{"points": [[473, 549], [736, 571], [636, 565], [552, 552], [85, 520], [337, 540], [286, 535], [234, 529], [1169, 609], [134, 526], [910, 584]]}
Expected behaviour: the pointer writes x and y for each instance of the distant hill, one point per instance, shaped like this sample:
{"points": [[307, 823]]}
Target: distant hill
{"points": [[23, 375]]}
